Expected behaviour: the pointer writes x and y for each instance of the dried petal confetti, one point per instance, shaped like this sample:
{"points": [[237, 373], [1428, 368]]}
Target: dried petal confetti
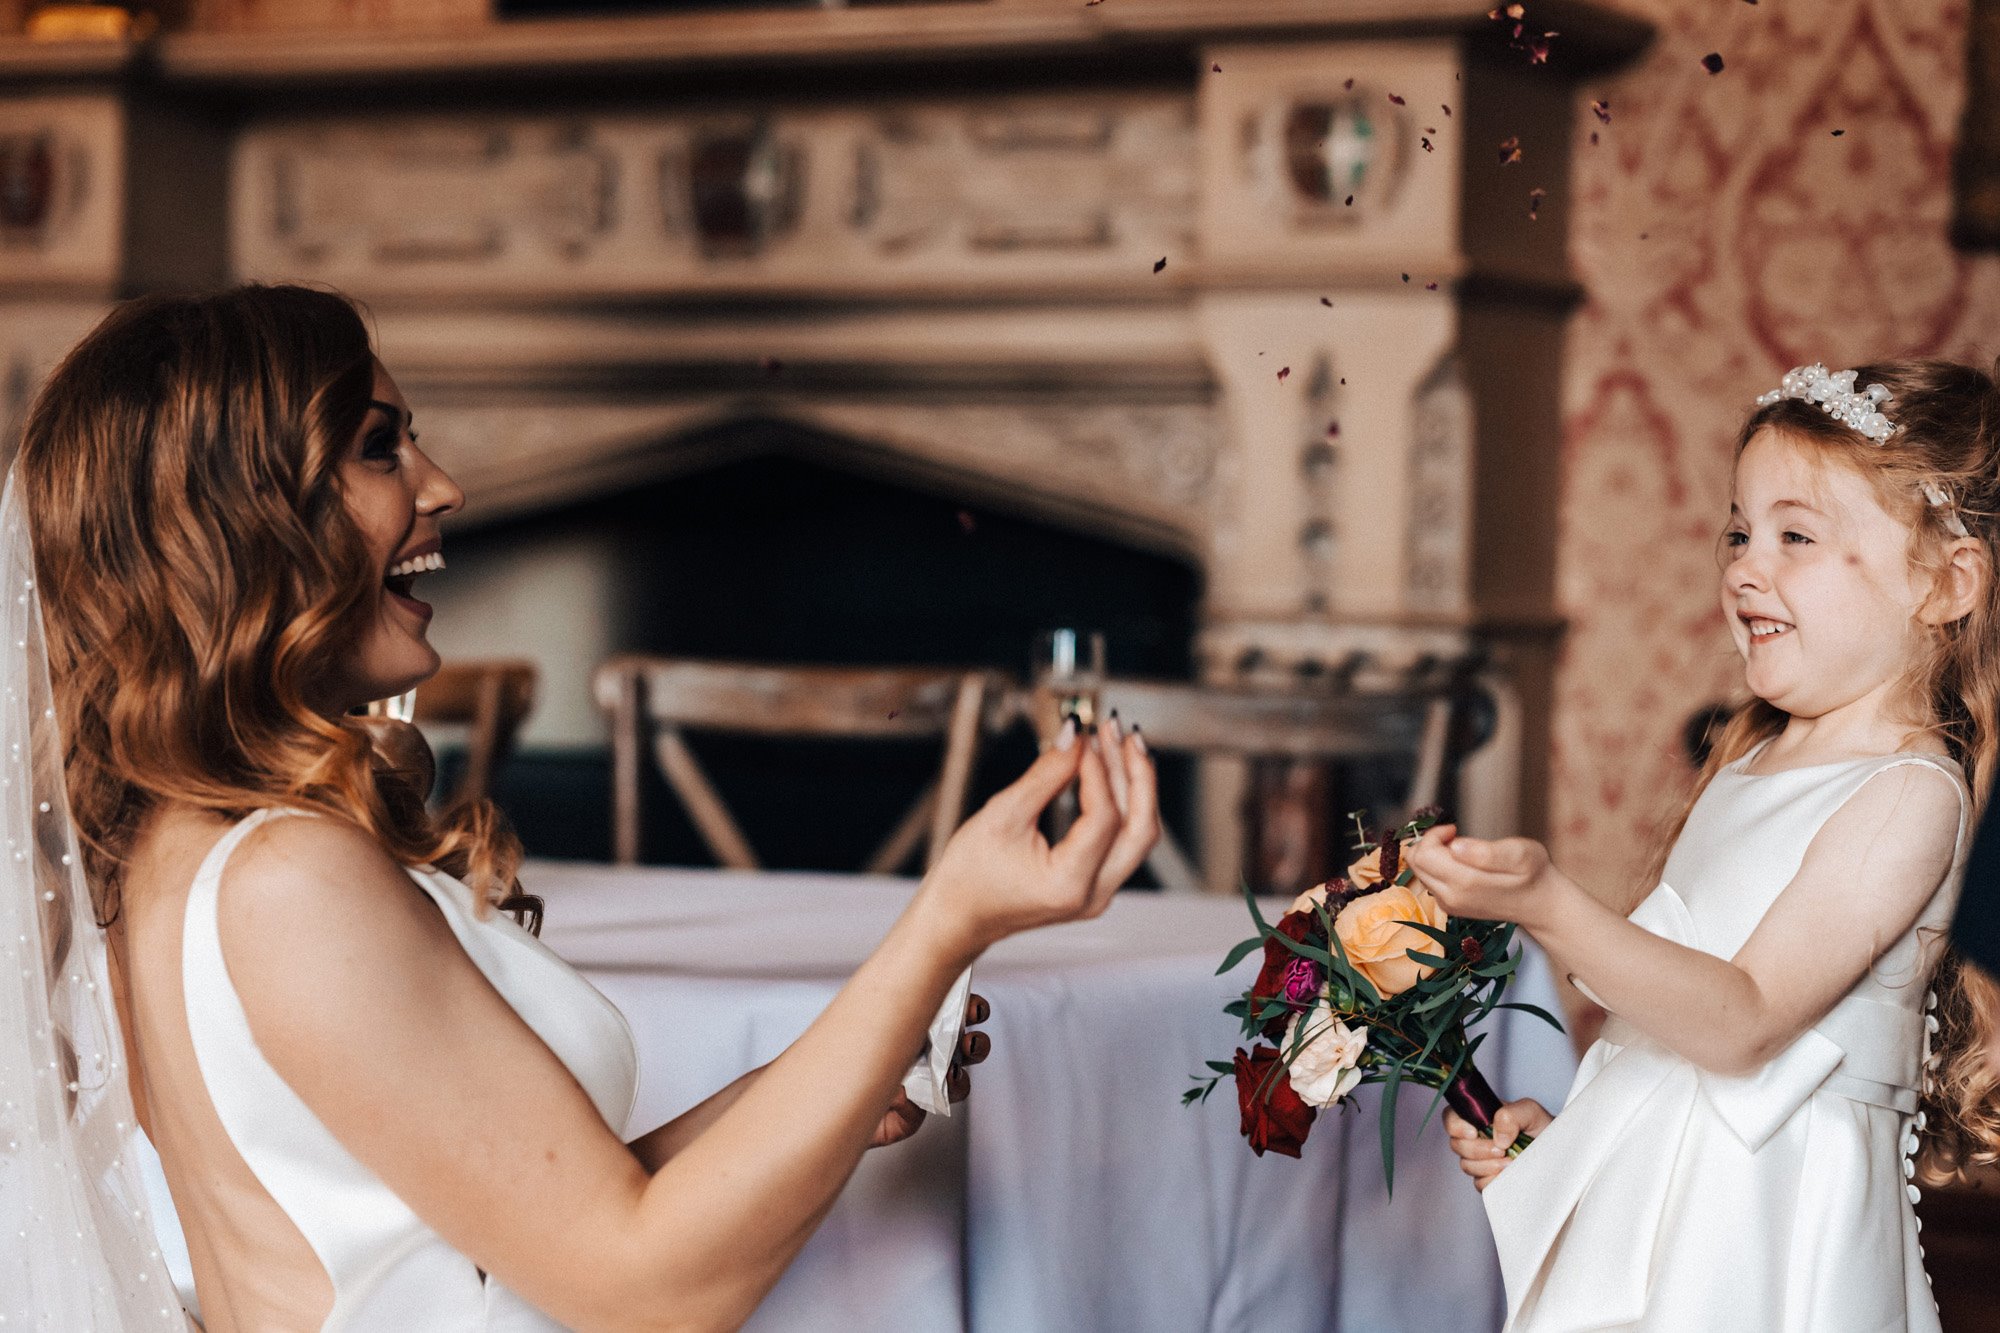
{"points": [[1712, 62], [1510, 150], [1425, 141], [1326, 301], [1284, 374], [1430, 286], [1838, 133], [1349, 85], [1602, 110], [1215, 68], [1395, 99], [1333, 427], [1535, 197], [1159, 263]]}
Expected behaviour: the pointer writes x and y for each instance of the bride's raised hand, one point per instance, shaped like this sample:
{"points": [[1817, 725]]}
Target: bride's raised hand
{"points": [[999, 875]]}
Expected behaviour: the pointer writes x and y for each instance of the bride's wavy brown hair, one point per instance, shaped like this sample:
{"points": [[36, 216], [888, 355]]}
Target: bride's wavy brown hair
{"points": [[199, 570], [1948, 437]]}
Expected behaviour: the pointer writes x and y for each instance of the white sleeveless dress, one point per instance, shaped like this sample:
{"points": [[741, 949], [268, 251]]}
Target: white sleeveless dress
{"points": [[1665, 1197], [390, 1272]]}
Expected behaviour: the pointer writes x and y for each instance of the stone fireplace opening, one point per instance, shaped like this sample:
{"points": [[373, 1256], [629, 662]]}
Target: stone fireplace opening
{"points": [[787, 551]]}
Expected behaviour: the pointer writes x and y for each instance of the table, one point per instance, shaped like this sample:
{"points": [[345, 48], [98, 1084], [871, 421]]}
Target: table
{"points": [[1073, 1192]]}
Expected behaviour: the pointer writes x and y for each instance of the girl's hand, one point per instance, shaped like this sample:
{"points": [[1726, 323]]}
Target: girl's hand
{"points": [[1483, 1158], [1508, 880], [904, 1116], [999, 875]]}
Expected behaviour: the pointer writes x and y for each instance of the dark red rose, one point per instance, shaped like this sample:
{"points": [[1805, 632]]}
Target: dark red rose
{"points": [[1270, 984], [1275, 1119], [1472, 951]]}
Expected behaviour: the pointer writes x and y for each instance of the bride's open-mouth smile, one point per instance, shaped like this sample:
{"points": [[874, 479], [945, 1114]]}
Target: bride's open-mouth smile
{"points": [[426, 558]]}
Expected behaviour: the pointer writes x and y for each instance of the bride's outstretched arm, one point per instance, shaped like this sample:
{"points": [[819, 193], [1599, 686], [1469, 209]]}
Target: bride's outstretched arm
{"points": [[359, 996], [1865, 877]]}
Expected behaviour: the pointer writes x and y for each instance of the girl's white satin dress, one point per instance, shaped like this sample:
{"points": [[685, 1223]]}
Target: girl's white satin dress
{"points": [[1666, 1197], [390, 1272]]}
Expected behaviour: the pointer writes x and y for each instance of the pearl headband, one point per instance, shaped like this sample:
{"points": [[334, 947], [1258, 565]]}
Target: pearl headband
{"points": [[1834, 394]]}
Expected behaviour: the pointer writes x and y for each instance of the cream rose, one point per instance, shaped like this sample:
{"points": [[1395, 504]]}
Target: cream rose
{"points": [[1377, 942], [1327, 1067]]}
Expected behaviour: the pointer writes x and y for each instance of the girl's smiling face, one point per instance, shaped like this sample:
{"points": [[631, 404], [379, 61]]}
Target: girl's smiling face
{"points": [[1817, 583]]}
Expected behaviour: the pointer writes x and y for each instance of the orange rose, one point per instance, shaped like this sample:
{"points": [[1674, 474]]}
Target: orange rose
{"points": [[1372, 932]]}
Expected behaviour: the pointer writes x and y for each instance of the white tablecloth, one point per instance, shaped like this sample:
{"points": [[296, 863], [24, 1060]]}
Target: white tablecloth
{"points": [[1073, 1192]]}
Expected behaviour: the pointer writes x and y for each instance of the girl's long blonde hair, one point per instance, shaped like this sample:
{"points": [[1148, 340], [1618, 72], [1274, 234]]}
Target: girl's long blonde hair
{"points": [[198, 569], [1948, 437]]}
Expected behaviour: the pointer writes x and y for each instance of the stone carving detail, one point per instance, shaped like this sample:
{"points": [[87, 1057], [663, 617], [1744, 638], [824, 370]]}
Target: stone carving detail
{"points": [[1319, 469], [1439, 532], [1332, 161], [1054, 178], [430, 192], [1019, 191], [60, 222], [734, 189]]}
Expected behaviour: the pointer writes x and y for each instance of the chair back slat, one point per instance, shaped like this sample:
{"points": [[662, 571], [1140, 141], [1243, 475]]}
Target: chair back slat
{"points": [[491, 699], [665, 697]]}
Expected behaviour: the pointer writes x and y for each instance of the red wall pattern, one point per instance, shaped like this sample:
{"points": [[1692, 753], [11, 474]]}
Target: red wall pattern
{"points": [[1725, 233]]}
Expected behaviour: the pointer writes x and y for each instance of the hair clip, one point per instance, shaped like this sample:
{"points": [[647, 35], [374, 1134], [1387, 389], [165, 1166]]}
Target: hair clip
{"points": [[1938, 498]]}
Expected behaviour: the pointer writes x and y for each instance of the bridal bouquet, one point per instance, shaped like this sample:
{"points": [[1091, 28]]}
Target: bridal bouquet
{"points": [[1365, 980]]}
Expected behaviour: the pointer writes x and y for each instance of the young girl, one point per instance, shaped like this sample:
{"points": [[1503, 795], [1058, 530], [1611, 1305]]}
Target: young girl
{"points": [[1739, 1149]]}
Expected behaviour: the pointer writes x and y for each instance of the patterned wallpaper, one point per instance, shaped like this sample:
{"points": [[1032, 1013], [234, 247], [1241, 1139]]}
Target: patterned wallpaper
{"points": [[1725, 232]]}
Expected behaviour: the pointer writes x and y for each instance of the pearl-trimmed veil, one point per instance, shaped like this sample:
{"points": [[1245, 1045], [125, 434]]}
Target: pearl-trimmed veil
{"points": [[77, 1247]]}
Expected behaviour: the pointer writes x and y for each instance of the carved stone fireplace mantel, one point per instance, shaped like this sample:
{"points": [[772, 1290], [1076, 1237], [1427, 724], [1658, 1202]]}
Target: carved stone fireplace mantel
{"points": [[1249, 281]]}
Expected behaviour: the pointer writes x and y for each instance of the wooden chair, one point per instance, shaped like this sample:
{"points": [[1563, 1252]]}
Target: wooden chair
{"points": [[491, 699], [665, 696], [1225, 721]]}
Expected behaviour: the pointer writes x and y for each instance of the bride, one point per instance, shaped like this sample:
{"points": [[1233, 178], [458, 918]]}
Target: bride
{"points": [[379, 1104]]}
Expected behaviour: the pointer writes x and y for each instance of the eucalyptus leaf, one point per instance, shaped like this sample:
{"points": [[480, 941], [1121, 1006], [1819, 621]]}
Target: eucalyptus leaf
{"points": [[1238, 954], [1391, 1081], [1536, 1010]]}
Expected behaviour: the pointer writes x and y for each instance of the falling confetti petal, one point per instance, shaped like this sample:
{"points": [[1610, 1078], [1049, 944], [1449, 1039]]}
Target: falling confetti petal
{"points": [[1284, 374], [1836, 133], [1333, 427], [1159, 263], [1406, 277], [1215, 69], [1535, 197], [1350, 201], [1326, 301], [1602, 110], [1349, 85], [1712, 62], [1395, 99], [1510, 150], [1446, 106], [1427, 144], [1593, 138]]}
